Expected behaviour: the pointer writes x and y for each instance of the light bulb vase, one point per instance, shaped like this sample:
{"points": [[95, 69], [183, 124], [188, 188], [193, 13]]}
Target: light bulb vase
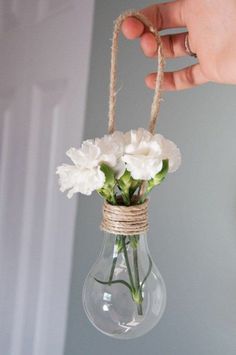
{"points": [[124, 295]]}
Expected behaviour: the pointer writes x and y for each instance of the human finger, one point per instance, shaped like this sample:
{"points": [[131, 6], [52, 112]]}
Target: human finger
{"points": [[173, 45], [185, 78], [163, 16]]}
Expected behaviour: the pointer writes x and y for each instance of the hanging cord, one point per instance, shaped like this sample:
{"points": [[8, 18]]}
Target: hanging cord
{"points": [[155, 108], [131, 220]]}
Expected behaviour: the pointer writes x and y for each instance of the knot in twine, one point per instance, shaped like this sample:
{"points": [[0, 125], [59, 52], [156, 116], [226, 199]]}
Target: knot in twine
{"points": [[127, 220]]}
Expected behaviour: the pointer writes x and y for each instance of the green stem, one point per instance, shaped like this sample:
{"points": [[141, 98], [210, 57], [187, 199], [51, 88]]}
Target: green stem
{"points": [[137, 283], [113, 198], [116, 250], [114, 261], [126, 198], [127, 263], [112, 269]]}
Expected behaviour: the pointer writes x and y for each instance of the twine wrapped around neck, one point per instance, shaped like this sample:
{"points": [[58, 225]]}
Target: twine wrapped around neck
{"points": [[155, 108], [125, 220], [118, 219]]}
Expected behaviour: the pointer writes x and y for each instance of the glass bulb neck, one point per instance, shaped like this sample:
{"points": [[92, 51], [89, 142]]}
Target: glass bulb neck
{"points": [[125, 220]]}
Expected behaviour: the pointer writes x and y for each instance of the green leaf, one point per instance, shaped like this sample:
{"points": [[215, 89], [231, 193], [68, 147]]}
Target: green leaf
{"points": [[124, 185], [134, 239], [107, 191], [148, 272], [108, 195], [159, 177], [137, 297], [110, 180], [134, 185], [115, 282], [162, 174], [127, 186], [119, 244], [125, 180]]}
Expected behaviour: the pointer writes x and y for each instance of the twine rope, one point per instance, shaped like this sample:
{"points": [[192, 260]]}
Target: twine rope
{"points": [[155, 108], [118, 219], [125, 220]]}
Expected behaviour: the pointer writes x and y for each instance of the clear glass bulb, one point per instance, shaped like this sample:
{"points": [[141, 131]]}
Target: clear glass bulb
{"points": [[124, 295]]}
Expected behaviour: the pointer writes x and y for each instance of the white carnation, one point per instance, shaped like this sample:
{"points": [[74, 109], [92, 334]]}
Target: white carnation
{"points": [[169, 151], [85, 176], [142, 154], [112, 149], [76, 178], [88, 156]]}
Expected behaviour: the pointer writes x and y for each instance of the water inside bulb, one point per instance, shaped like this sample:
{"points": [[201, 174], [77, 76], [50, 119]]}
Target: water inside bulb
{"points": [[124, 295]]}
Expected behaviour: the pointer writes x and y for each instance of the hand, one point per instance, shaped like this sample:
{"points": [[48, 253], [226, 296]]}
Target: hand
{"points": [[211, 25]]}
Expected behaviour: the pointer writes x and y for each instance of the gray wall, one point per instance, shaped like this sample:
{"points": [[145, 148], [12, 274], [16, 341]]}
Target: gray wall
{"points": [[193, 213]]}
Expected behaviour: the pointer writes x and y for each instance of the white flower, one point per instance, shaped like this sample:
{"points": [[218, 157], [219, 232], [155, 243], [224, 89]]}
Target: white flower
{"points": [[88, 156], [76, 178], [142, 154], [112, 149], [85, 175], [169, 151]]}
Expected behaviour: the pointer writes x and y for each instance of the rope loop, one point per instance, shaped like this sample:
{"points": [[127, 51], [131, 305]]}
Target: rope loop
{"points": [[155, 108]]}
